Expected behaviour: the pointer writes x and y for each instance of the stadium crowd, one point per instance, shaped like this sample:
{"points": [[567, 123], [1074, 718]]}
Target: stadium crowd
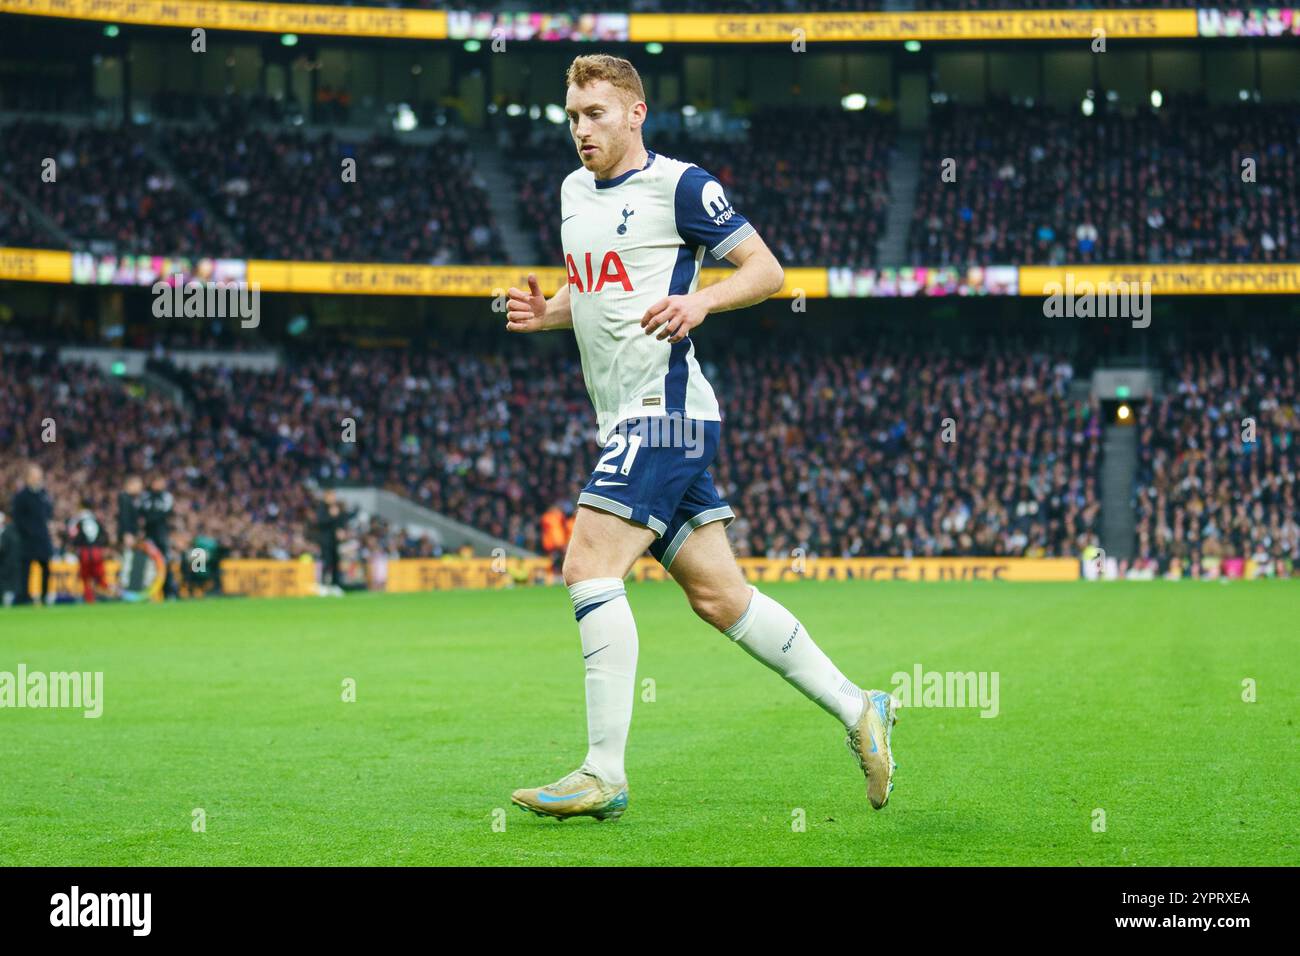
{"points": [[900, 452], [17, 227], [285, 192], [488, 439], [1037, 185], [1219, 459], [1033, 185], [100, 431], [829, 450], [91, 437], [494, 440], [97, 183], [247, 191]]}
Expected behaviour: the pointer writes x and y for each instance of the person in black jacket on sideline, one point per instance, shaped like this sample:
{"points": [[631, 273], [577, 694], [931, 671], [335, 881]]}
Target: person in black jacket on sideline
{"points": [[32, 512], [331, 518], [128, 511], [156, 507]]}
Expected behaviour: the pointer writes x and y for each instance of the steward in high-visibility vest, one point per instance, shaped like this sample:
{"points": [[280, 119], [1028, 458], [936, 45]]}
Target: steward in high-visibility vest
{"points": [[554, 533]]}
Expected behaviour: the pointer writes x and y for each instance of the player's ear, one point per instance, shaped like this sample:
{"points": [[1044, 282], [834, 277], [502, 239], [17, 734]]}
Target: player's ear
{"points": [[636, 115]]}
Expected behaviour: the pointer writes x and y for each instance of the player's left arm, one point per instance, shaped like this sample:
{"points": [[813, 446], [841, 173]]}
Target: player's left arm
{"points": [[705, 217], [758, 276]]}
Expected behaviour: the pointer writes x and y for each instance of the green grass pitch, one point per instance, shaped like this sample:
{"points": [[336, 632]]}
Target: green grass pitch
{"points": [[1120, 697]]}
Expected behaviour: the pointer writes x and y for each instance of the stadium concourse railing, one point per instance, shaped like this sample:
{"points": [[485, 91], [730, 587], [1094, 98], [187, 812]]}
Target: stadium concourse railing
{"points": [[381, 278], [521, 25]]}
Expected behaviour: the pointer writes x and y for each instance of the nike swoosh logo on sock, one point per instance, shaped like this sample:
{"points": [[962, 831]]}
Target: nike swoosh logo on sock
{"points": [[596, 651]]}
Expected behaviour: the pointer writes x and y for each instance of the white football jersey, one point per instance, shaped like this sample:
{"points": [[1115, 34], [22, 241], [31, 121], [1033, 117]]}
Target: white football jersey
{"points": [[629, 242]]}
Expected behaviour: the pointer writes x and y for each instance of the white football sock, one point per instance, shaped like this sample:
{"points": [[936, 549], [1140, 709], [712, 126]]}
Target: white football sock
{"points": [[773, 635], [609, 649]]}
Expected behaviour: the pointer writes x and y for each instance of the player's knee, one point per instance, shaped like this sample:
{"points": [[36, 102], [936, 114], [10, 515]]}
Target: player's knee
{"points": [[720, 606], [578, 567]]}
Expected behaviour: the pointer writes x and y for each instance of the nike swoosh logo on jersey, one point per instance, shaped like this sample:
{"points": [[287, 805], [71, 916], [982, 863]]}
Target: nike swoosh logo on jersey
{"points": [[608, 484], [566, 219]]}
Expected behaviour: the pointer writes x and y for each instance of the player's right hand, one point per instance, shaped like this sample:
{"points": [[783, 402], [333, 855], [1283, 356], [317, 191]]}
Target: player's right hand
{"points": [[526, 311]]}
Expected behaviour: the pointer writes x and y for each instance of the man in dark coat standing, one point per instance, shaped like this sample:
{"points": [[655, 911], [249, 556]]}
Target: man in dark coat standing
{"points": [[128, 511], [155, 507], [331, 518], [32, 512]]}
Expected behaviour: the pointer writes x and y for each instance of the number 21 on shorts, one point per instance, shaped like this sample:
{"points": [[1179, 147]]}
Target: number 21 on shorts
{"points": [[618, 444]]}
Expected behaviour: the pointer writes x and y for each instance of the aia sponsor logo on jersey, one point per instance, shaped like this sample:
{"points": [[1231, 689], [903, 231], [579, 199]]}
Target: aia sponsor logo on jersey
{"points": [[610, 272]]}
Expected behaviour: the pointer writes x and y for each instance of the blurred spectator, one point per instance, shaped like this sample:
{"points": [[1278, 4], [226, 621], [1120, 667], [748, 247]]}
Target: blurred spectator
{"points": [[557, 531], [87, 539]]}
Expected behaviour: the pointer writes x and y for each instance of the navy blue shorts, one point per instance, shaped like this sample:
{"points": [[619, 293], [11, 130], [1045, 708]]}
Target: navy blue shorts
{"points": [[655, 471]]}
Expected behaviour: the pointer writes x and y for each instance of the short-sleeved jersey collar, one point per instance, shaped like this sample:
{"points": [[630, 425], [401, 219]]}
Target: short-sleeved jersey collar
{"points": [[608, 183]]}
